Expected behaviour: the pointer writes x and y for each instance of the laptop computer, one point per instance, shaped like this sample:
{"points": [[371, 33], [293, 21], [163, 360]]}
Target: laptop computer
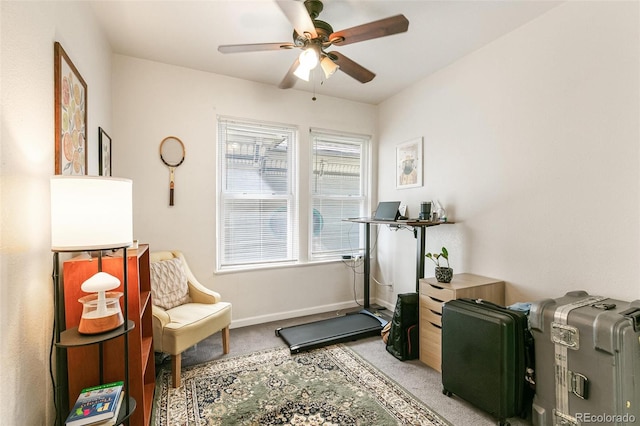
{"points": [[387, 210]]}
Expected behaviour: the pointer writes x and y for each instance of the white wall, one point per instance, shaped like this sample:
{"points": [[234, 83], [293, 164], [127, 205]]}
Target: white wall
{"points": [[532, 143], [153, 101], [28, 32]]}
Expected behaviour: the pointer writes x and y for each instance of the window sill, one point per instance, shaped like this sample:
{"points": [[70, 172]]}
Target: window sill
{"points": [[283, 265]]}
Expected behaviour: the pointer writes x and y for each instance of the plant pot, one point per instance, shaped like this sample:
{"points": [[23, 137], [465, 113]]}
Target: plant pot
{"points": [[444, 274]]}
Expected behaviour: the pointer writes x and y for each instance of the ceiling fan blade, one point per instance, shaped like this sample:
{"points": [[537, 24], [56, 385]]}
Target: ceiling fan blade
{"points": [[299, 17], [382, 28], [290, 79], [351, 68], [256, 47]]}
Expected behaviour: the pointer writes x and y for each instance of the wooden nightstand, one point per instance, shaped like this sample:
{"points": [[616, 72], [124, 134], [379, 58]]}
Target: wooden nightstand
{"points": [[433, 294]]}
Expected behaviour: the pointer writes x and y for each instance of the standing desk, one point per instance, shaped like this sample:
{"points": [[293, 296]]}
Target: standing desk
{"points": [[420, 234]]}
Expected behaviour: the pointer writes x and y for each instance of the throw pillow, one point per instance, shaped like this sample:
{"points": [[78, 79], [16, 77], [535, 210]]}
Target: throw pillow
{"points": [[169, 286]]}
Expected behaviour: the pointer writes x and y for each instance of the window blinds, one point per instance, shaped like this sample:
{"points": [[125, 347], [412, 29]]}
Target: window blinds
{"points": [[258, 208], [339, 189]]}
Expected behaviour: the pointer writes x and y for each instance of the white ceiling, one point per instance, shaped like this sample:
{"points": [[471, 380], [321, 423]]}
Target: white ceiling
{"points": [[187, 33]]}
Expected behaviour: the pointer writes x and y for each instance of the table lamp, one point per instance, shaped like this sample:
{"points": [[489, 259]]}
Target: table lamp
{"points": [[91, 213]]}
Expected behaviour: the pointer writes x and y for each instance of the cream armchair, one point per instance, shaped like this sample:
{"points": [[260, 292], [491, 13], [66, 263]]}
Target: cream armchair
{"points": [[185, 311]]}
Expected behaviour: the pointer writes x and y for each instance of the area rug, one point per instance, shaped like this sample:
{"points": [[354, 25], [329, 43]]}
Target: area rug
{"points": [[327, 386]]}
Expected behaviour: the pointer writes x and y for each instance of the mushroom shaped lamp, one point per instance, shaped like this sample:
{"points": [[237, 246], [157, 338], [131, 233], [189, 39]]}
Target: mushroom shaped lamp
{"points": [[101, 310]]}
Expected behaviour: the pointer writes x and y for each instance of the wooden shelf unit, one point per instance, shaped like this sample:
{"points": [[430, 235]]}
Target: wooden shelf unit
{"points": [[433, 294], [84, 363]]}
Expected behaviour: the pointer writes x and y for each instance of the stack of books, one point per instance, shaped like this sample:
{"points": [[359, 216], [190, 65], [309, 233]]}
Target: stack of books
{"points": [[97, 405]]}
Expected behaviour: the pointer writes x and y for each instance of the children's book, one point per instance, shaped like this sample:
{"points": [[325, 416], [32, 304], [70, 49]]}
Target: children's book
{"points": [[112, 421], [96, 404]]}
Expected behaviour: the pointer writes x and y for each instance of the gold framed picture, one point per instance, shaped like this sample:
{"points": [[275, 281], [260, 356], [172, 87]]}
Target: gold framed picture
{"points": [[70, 116]]}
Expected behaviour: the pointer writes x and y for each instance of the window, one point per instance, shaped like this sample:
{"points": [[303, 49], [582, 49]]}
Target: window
{"points": [[257, 199], [339, 188]]}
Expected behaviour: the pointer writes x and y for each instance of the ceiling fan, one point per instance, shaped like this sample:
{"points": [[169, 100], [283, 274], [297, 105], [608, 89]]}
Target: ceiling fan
{"points": [[314, 36]]}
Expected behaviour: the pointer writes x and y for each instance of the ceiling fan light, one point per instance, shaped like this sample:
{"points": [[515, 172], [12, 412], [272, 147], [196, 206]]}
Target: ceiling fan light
{"points": [[302, 72], [309, 58], [328, 66]]}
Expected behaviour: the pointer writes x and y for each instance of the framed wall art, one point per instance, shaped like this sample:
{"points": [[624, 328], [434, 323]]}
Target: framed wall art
{"points": [[70, 116], [104, 143], [409, 164]]}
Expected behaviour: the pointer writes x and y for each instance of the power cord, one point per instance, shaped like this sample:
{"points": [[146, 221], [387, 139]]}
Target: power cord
{"points": [[355, 296], [381, 284], [354, 262], [53, 334], [53, 381]]}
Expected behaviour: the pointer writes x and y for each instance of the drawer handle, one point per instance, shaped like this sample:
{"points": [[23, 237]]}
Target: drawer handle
{"points": [[436, 326], [438, 287], [436, 313], [437, 300]]}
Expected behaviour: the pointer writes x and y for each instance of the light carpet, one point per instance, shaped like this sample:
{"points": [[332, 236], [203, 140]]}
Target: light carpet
{"points": [[327, 386]]}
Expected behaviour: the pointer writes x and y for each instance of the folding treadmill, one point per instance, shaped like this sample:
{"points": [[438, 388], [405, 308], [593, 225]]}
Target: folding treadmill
{"points": [[330, 331]]}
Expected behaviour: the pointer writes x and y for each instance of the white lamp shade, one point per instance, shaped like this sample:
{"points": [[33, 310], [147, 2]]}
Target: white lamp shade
{"points": [[328, 66], [91, 213], [309, 58], [302, 72]]}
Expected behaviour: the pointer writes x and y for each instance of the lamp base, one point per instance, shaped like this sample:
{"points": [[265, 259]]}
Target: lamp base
{"points": [[96, 321]]}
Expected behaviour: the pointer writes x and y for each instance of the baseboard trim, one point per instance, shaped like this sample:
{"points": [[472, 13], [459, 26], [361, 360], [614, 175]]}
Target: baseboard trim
{"points": [[261, 319], [389, 306]]}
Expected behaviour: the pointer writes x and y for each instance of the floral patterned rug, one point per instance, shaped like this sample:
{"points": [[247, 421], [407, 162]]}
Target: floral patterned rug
{"points": [[326, 386]]}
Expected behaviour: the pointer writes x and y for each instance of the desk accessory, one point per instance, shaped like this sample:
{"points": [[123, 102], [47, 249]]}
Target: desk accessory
{"points": [[425, 210]]}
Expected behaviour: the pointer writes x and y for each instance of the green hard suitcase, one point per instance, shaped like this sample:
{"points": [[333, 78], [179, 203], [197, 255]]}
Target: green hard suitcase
{"points": [[487, 357]]}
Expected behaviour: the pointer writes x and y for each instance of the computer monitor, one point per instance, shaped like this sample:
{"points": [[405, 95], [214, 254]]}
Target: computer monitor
{"points": [[387, 210]]}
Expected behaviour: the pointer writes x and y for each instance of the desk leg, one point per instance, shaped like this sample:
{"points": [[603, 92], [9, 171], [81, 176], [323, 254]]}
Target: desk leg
{"points": [[421, 238], [367, 263]]}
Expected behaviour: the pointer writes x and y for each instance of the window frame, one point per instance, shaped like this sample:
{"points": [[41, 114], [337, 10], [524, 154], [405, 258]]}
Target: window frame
{"points": [[365, 143], [222, 196]]}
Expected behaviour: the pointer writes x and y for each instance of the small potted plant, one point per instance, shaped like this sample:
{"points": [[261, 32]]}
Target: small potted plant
{"points": [[443, 273]]}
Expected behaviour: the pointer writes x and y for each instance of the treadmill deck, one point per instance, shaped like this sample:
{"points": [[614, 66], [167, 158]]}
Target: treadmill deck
{"points": [[330, 331]]}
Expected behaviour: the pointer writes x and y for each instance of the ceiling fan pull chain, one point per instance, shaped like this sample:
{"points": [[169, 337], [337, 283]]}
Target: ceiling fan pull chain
{"points": [[314, 86]]}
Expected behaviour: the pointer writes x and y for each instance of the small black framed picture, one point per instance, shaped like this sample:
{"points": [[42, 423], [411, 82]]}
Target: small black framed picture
{"points": [[105, 152]]}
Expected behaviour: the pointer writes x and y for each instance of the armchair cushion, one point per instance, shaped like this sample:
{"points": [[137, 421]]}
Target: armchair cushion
{"points": [[169, 286], [192, 323]]}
